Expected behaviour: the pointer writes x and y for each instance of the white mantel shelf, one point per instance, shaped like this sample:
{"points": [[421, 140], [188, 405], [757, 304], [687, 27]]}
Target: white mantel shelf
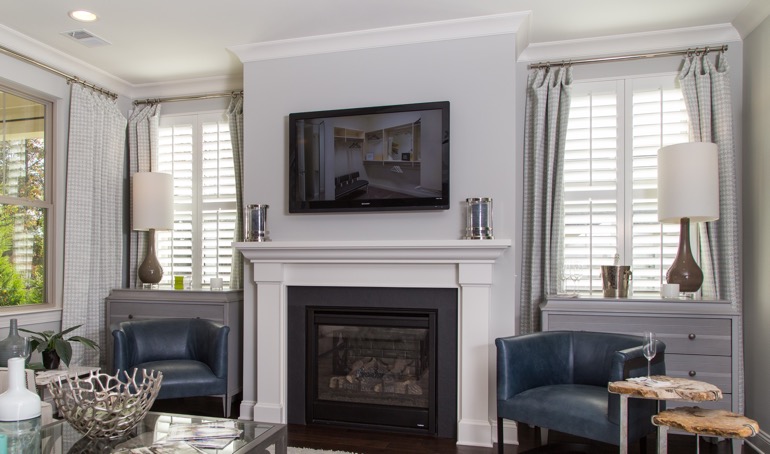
{"points": [[467, 265], [382, 251]]}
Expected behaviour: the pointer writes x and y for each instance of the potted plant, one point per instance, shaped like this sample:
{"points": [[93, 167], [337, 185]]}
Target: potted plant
{"points": [[54, 347]]}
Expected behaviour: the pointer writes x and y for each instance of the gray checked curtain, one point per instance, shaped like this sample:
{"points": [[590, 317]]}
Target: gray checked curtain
{"points": [[93, 253], [142, 157], [546, 114], [707, 94], [235, 116]]}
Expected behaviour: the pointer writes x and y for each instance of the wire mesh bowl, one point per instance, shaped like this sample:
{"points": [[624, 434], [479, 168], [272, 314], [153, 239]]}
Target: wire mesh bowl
{"points": [[106, 406]]}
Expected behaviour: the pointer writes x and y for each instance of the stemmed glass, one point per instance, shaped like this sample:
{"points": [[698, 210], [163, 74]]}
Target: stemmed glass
{"points": [[649, 349], [575, 276]]}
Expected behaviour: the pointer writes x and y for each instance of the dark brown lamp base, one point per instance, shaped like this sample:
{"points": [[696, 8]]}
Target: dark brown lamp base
{"points": [[685, 270]]}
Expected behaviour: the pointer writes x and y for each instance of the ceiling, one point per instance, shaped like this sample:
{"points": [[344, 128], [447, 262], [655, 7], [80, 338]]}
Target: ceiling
{"points": [[155, 41]]}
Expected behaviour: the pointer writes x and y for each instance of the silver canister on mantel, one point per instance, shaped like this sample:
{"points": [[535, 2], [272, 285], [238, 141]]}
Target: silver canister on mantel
{"points": [[256, 223], [478, 218]]}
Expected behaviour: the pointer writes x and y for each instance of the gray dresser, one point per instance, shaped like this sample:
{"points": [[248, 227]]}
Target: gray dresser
{"points": [[701, 336], [225, 307]]}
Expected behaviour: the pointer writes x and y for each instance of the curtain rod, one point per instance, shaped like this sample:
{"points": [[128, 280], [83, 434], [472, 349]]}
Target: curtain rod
{"points": [[584, 61], [187, 98], [70, 78]]}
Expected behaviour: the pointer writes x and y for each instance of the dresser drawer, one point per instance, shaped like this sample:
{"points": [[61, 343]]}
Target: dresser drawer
{"points": [[120, 312], [685, 335], [716, 370]]}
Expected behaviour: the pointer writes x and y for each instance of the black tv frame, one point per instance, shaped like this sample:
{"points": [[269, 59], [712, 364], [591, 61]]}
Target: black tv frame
{"points": [[298, 203]]}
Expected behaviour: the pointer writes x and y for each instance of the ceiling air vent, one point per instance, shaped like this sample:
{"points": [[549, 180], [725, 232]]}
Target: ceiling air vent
{"points": [[86, 38]]}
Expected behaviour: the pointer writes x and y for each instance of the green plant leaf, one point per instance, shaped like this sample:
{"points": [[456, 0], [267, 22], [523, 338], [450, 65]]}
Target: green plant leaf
{"points": [[64, 350], [85, 341], [69, 330]]}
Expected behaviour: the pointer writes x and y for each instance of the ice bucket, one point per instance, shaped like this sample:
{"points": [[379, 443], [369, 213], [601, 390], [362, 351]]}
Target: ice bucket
{"points": [[615, 280]]}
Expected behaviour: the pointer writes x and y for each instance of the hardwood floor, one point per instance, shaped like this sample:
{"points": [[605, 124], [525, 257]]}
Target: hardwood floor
{"points": [[375, 442]]}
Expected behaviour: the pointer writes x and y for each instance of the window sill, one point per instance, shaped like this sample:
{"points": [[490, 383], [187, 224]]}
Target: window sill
{"points": [[30, 316]]}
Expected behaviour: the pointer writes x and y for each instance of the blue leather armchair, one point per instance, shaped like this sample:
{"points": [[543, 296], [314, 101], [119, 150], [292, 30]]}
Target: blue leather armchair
{"points": [[558, 380], [191, 354]]}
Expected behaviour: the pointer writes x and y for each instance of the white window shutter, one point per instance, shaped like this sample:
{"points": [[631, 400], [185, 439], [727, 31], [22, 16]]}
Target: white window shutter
{"points": [[615, 130], [196, 150]]}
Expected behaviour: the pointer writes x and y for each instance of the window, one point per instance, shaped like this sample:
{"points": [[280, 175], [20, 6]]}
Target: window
{"points": [[614, 132], [25, 201], [196, 151]]}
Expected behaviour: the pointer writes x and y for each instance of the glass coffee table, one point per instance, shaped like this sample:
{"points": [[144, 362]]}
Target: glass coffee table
{"points": [[257, 437]]}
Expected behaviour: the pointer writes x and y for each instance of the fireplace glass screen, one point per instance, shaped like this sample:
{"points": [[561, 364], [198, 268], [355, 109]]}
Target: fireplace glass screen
{"points": [[373, 367]]}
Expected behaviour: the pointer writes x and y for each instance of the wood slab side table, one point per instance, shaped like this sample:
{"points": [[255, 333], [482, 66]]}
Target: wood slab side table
{"points": [[661, 388], [702, 421]]}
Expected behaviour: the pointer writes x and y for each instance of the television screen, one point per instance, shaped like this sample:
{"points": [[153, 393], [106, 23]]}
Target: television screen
{"points": [[370, 159]]}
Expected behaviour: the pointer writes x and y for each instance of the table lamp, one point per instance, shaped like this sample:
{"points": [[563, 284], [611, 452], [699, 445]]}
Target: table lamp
{"points": [[153, 209], [688, 191]]}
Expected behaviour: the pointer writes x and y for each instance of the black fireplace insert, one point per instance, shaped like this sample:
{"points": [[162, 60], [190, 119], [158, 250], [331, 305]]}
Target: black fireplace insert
{"points": [[379, 358]]}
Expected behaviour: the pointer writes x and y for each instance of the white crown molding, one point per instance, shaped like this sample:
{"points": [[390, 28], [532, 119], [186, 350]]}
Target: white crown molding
{"points": [[631, 43], [498, 24], [60, 61], [752, 15]]}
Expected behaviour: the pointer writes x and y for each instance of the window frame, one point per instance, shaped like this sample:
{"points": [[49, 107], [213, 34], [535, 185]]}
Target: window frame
{"points": [[48, 203]]}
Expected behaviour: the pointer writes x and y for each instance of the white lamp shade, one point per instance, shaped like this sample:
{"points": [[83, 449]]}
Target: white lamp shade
{"points": [[152, 201], [688, 182]]}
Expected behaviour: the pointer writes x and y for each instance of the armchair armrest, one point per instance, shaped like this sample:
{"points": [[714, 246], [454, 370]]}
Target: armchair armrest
{"points": [[210, 345], [632, 363], [120, 359], [531, 361]]}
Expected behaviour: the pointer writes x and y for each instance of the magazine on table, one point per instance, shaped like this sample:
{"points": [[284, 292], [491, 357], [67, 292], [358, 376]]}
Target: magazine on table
{"points": [[215, 435], [176, 447]]}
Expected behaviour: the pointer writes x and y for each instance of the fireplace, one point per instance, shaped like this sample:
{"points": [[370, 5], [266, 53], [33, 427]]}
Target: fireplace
{"points": [[463, 266], [383, 358]]}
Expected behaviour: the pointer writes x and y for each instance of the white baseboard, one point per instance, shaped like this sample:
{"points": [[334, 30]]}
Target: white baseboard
{"points": [[510, 432]]}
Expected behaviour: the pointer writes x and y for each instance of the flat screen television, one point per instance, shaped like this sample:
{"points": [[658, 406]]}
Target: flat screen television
{"points": [[384, 158]]}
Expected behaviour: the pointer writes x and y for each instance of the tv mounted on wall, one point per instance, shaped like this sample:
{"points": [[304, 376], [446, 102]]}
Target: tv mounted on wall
{"points": [[384, 158]]}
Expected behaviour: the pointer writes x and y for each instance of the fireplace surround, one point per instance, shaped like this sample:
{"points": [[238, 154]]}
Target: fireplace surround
{"points": [[465, 265]]}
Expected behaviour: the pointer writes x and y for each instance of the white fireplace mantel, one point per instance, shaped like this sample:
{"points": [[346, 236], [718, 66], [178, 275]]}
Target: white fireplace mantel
{"points": [[463, 264]]}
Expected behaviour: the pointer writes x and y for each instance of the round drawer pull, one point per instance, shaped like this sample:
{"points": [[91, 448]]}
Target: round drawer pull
{"points": [[691, 336], [692, 373], [130, 316]]}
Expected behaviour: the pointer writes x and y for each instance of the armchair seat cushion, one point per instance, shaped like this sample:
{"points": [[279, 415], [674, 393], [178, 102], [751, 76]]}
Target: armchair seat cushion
{"points": [[576, 409], [185, 378]]}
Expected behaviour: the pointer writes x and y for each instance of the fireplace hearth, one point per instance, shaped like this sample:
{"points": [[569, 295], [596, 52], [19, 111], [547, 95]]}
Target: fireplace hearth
{"points": [[371, 358]]}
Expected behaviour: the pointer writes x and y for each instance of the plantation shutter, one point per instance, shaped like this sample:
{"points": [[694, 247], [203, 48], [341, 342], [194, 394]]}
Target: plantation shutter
{"points": [[195, 149], [615, 130], [217, 202], [659, 119]]}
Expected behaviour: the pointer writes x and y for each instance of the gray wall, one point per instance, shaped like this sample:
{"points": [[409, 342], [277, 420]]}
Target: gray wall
{"points": [[756, 218], [476, 75]]}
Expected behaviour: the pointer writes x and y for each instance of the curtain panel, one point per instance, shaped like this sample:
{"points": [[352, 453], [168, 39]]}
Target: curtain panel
{"points": [[545, 130], [93, 254], [235, 116], [707, 94], [142, 157]]}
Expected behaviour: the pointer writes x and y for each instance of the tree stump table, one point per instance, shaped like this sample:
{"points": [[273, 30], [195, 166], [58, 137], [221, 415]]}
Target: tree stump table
{"points": [[701, 421], [659, 387]]}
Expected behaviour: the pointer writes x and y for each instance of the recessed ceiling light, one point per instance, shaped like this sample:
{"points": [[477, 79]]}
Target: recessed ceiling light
{"points": [[83, 16]]}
